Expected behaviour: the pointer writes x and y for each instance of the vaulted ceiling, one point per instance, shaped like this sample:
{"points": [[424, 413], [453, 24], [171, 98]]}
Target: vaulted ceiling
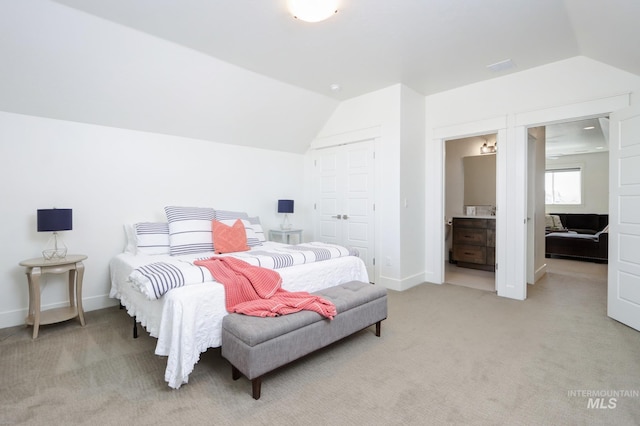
{"points": [[245, 72], [428, 45]]}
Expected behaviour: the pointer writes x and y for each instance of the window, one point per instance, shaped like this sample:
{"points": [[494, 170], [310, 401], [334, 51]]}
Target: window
{"points": [[563, 186]]}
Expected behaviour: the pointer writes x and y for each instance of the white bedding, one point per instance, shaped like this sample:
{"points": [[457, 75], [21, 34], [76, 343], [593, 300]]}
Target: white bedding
{"points": [[188, 320], [164, 273]]}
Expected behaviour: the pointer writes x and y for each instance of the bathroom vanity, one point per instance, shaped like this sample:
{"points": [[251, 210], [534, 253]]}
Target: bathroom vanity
{"points": [[474, 242]]}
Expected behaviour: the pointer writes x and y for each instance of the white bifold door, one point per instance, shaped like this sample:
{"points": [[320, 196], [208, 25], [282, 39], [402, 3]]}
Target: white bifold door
{"points": [[344, 198], [624, 217]]}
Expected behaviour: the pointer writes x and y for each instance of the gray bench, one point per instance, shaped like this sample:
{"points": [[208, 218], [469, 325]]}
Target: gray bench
{"points": [[255, 346]]}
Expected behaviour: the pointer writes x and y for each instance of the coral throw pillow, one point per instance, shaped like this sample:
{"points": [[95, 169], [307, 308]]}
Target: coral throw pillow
{"points": [[229, 239]]}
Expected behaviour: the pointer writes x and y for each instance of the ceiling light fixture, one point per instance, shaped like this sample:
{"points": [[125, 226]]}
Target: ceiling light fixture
{"points": [[312, 10]]}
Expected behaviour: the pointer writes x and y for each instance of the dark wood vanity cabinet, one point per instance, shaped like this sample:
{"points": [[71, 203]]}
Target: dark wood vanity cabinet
{"points": [[474, 242]]}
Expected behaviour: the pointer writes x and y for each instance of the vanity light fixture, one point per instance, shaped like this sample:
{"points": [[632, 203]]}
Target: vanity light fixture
{"points": [[312, 10], [488, 149]]}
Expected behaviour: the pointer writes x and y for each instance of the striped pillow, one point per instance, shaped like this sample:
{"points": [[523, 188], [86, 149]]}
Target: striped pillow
{"points": [[189, 229], [229, 215], [151, 238]]}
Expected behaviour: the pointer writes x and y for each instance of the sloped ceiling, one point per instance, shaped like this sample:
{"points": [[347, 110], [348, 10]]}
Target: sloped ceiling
{"points": [[429, 46], [246, 72]]}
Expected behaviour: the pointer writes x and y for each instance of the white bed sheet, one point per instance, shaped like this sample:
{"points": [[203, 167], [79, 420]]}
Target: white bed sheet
{"points": [[188, 320]]}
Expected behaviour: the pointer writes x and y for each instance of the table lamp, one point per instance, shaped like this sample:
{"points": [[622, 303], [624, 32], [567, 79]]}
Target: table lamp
{"points": [[54, 220], [286, 207]]}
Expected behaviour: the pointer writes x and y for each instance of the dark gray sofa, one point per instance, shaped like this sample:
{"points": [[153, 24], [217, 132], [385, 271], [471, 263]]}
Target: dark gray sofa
{"points": [[583, 223], [584, 237]]}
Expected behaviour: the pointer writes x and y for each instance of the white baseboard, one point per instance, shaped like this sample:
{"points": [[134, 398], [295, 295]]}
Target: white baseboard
{"points": [[17, 317], [403, 284]]}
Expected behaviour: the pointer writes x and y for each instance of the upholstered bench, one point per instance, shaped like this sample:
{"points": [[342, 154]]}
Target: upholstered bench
{"points": [[255, 346]]}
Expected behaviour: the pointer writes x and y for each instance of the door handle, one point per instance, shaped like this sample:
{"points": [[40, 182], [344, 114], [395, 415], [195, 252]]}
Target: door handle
{"points": [[345, 217], [337, 217]]}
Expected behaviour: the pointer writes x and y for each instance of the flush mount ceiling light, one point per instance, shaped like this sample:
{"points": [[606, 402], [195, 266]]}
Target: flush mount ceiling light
{"points": [[312, 10]]}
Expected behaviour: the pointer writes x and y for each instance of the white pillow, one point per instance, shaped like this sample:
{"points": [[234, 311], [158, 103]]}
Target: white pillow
{"points": [[190, 229], [557, 223], [257, 228], [152, 238], [130, 235]]}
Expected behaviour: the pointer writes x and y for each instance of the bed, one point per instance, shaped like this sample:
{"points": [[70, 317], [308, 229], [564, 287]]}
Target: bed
{"points": [[185, 315]]}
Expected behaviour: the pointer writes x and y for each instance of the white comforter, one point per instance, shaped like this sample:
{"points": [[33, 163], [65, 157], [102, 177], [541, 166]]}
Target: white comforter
{"points": [[188, 320], [169, 272]]}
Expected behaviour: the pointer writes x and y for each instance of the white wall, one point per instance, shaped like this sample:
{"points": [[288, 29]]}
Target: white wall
{"points": [[395, 116], [412, 193], [380, 111], [595, 182], [536, 261], [516, 99], [110, 177], [67, 64]]}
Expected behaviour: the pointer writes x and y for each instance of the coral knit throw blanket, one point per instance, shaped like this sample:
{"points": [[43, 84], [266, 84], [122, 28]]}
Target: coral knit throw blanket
{"points": [[256, 291]]}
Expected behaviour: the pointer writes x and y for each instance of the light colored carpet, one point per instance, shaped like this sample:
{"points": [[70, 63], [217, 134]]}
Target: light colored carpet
{"points": [[467, 277], [447, 355]]}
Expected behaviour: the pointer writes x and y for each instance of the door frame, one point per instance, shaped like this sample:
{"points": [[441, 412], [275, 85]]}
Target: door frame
{"points": [[577, 111], [496, 126], [511, 199]]}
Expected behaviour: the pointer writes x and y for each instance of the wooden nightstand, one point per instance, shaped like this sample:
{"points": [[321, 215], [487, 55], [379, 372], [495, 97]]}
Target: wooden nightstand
{"points": [[284, 235], [37, 267]]}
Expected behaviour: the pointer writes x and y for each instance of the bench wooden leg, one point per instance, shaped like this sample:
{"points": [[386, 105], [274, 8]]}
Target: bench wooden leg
{"points": [[235, 373], [256, 384], [378, 327]]}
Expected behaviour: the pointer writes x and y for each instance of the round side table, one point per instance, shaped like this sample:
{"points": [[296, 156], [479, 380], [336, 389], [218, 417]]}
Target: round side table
{"points": [[39, 266]]}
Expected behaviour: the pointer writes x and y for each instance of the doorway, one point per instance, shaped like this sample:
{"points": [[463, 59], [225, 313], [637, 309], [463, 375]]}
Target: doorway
{"points": [[470, 193], [580, 147]]}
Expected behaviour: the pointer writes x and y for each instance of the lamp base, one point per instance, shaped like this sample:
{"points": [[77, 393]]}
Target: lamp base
{"points": [[59, 250], [53, 254], [285, 225]]}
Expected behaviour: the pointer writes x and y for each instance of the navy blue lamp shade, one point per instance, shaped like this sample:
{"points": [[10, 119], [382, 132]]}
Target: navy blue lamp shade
{"points": [[285, 206], [53, 220]]}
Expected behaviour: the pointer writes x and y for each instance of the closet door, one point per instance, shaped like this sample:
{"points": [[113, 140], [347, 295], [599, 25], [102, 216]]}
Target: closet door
{"points": [[344, 198]]}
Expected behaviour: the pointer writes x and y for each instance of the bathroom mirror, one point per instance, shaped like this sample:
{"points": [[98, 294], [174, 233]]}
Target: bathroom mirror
{"points": [[480, 180]]}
